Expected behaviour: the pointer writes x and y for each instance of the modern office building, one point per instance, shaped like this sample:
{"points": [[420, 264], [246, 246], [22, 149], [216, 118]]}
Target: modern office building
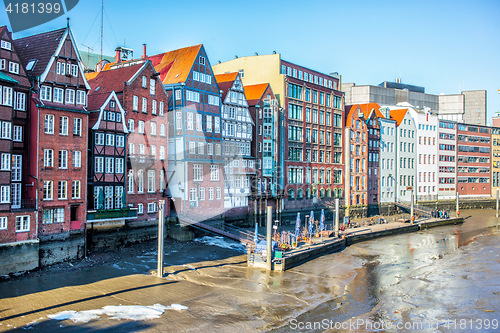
{"points": [[447, 159]]}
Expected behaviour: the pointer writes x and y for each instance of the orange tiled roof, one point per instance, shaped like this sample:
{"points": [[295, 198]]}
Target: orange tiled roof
{"points": [[226, 77], [90, 76], [255, 91], [365, 108], [175, 66], [398, 115]]}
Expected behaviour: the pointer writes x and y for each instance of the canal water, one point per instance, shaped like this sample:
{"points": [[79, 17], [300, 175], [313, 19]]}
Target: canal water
{"points": [[445, 279]]}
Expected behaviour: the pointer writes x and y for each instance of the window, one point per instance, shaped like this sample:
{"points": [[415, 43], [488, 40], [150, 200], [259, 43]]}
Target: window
{"points": [[201, 148], [162, 153], [141, 127], [110, 165], [20, 101], [76, 189], [162, 130], [99, 164], [62, 188], [135, 103], [144, 82], [74, 70], [110, 140], [218, 193], [198, 172], [131, 125], [49, 124], [178, 120], [6, 45], [81, 97], [22, 223], [214, 172], [153, 128], [202, 60], [63, 159], [77, 126], [3, 222], [151, 207], [209, 124], [70, 96], [142, 149], [48, 158], [108, 197], [120, 141], [210, 193], [130, 181], [14, 67], [47, 190], [120, 162], [161, 108], [152, 87], [77, 159], [190, 120], [151, 181], [140, 208], [144, 105], [5, 162]]}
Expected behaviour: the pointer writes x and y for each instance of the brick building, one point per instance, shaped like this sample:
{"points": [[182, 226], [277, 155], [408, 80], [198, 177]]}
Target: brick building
{"points": [[58, 130], [362, 120], [264, 110], [144, 101], [447, 159], [495, 160], [237, 129], [18, 217], [473, 161], [106, 196], [195, 160], [310, 134]]}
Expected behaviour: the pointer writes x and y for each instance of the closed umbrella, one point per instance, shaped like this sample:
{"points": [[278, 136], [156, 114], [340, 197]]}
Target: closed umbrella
{"points": [[311, 221], [297, 227]]}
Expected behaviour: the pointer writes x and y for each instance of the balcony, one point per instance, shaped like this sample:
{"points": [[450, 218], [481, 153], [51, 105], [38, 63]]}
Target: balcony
{"points": [[24, 204], [111, 214]]}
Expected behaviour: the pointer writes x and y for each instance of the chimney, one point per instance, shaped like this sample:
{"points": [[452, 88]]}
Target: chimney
{"points": [[144, 51], [118, 56]]}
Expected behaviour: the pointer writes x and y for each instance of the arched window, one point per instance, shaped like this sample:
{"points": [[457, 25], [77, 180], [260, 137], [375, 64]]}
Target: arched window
{"points": [[322, 193], [357, 199], [291, 194], [329, 193], [340, 193], [300, 193], [308, 193], [335, 193]]}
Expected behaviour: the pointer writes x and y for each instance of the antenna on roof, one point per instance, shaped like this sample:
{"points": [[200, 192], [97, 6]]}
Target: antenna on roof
{"points": [[68, 22], [102, 24], [88, 54]]}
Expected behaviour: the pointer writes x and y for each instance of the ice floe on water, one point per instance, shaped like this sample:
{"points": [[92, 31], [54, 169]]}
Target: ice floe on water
{"points": [[221, 242], [131, 312]]}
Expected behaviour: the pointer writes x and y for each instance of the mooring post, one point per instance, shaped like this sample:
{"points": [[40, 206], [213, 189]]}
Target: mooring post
{"points": [[269, 240], [161, 224], [337, 218], [498, 190], [457, 208], [411, 209]]}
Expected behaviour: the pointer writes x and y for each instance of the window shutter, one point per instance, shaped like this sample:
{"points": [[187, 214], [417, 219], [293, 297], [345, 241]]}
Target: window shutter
{"points": [[101, 198]]}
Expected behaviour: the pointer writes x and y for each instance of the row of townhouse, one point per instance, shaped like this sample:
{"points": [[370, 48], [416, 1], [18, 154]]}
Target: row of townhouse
{"points": [[398, 151], [75, 151]]}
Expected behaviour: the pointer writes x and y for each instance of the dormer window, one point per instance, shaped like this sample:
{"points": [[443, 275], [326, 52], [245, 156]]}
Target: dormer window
{"points": [[112, 104], [202, 60], [46, 93], [70, 96]]}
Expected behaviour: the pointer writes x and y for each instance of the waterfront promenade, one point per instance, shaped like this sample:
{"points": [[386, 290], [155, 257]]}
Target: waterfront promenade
{"points": [[321, 246]]}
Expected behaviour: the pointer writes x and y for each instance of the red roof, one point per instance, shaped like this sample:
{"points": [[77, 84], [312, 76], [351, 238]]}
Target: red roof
{"points": [[96, 100], [175, 66], [39, 47], [112, 80]]}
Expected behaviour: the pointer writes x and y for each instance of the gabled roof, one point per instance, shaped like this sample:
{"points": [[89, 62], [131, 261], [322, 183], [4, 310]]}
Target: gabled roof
{"points": [[225, 82], [398, 115], [366, 109], [254, 92], [40, 47], [175, 66], [113, 79], [104, 103], [96, 100]]}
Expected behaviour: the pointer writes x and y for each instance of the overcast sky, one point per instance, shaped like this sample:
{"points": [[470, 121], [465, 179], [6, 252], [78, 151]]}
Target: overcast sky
{"points": [[444, 46]]}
